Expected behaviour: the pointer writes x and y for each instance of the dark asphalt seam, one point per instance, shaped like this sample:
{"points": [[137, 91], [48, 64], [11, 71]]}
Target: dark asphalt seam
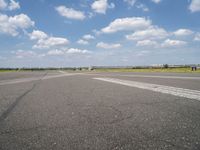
{"points": [[18, 99], [13, 105]]}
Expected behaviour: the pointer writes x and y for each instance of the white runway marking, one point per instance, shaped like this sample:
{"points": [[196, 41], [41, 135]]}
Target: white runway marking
{"points": [[14, 81], [146, 76], [62, 71], [164, 77], [187, 93]]}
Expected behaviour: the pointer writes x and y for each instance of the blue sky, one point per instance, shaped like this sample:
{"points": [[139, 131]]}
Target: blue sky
{"points": [[50, 33]]}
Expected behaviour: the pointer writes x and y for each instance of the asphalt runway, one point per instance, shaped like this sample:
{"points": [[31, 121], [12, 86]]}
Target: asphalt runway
{"points": [[99, 111]]}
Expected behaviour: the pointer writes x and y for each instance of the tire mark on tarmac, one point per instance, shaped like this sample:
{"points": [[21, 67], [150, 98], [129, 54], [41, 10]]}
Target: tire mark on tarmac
{"points": [[5, 114]]}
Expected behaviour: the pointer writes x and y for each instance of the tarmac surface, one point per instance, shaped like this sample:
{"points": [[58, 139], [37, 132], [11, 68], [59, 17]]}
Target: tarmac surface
{"points": [[99, 111]]}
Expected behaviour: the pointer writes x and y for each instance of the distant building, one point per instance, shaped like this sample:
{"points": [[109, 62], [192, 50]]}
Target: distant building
{"points": [[90, 68]]}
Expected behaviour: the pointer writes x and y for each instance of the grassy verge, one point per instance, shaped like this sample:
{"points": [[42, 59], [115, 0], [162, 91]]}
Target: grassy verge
{"points": [[1, 71], [175, 70]]}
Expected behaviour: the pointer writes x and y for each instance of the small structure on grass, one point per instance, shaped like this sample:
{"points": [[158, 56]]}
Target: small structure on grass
{"points": [[194, 68]]}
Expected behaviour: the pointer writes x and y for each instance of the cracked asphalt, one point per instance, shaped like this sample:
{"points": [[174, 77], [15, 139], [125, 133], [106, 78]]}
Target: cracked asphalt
{"points": [[77, 112]]}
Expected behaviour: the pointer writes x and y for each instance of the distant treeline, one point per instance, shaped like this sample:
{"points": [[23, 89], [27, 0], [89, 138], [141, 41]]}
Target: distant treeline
{"points": [[100, 67], [143, 67], [36, 69]]}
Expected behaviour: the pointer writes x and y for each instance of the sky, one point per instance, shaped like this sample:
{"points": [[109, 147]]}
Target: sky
{"points": [[73, 33]]}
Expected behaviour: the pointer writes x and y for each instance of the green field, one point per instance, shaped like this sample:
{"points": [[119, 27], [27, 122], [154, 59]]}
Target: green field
{"points": [[175, 70], [7, 71]]}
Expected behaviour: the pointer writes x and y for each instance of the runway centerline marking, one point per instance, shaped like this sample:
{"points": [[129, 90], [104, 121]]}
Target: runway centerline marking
{"points": [[181, 92]]}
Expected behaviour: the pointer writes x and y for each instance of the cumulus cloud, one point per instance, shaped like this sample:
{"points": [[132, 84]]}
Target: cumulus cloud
{"points": [[194, 6], [147, 43], [156, 1], [22, 21], [82, 42], [88, 37], [45, 42], [152, 33], [108, 45], [130, 2], [173, 43], [37, 35], [70, 13], [143, 7], [183, 32], [197, 37], [24, 54], [12, 24], [13, 5], [77, 51], [57, 52], [51, 42], [100, 6], [85, 39], [127, 24], [3, 4]]}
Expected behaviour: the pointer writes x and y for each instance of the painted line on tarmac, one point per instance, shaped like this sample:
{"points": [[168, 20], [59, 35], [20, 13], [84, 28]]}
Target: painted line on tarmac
{"points": [[164, 77], [146, 76], [181, 92], [62, 71], [15, 81]]}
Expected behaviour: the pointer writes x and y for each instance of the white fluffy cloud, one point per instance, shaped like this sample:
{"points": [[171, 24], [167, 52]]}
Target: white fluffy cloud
{"points": [[173, 43], [13, 5], [88, 37], [108, 45], [100, 6], [45, 42], [37, 35], [70, 13], [147, 43], [143, 7], [77, 51], [12, 25], [51, 42], [82, 42], [195, 6], [197, 37], [156, 1], [152, 33], [127, 24], [183, 32], [57, 52], [24, 54], [3, 4], [130, 2], [21, 21]]}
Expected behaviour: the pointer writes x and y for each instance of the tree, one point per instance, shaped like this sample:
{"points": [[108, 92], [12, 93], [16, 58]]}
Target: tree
{"points": [[165, 66]]}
